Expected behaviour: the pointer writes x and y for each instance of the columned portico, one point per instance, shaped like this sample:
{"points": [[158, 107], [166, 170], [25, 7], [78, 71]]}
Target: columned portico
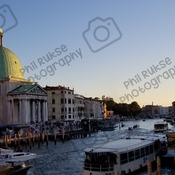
{"points": [[26, 108]]}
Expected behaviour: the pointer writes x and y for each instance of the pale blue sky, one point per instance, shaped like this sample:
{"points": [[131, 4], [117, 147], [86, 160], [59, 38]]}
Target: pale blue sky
{"points": [[148, 36]]}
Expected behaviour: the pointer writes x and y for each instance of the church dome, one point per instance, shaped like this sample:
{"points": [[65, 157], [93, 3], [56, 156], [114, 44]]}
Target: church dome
{"points": [[10, 66]]}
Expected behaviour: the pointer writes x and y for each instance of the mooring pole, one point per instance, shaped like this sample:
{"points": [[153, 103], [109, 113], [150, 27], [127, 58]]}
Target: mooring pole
{"points": [[158, 166], [149, 167]]}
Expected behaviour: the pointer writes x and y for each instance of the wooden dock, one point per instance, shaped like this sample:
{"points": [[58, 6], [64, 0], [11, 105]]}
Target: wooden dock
{"points": [[29, 138]]}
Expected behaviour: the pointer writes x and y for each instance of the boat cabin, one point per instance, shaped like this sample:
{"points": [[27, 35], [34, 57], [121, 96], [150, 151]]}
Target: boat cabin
{"points": [[122, 156]]}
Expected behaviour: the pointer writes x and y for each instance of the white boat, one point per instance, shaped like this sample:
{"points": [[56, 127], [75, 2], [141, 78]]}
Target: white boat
{"points": [[168, 119], [15, 157], [5, 150], [123, 156], [160, 126]]}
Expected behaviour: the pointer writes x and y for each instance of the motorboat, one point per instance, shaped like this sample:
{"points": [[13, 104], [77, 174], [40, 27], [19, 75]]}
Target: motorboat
{"points": [[161, 126], [15, 169], [15, 163], [14, 157]]}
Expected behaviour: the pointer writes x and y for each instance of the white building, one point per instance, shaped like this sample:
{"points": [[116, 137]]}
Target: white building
{"points": [[21, 101], [93, 108], [79, 107]]}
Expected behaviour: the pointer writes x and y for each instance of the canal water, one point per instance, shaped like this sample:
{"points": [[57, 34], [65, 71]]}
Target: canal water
{"points": [[67, 158]]}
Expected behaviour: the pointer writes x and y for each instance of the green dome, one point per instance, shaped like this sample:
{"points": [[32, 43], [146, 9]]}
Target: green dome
{"points": [[10, 66]]}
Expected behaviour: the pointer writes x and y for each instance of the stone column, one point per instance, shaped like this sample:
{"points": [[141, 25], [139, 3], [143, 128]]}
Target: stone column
{"points": [[39, 111], [13, 111], [26, 111], [20, 111], [43, 110], [46, 110], [9, 111], [33, 111]]}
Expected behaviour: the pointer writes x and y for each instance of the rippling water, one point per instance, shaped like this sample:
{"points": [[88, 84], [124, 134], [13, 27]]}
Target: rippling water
{"points": [[67, 158]]}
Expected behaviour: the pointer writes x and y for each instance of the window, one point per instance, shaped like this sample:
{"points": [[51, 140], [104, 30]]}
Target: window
{"points": [[147, 150], [53, 116], [53, 101], [131, 156], [69, 101], [62, 109], [65, 100], [53, 109], [62, 116], [62, 101], [137, 154], [53, 92], [69, 110], [142, 152], [73, 101], [123, 158], [69, 116], [151, 148], [61, 92]]}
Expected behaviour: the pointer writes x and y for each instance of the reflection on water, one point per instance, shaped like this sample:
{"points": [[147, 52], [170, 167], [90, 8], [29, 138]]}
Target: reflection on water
{"points": [[67, 158]]}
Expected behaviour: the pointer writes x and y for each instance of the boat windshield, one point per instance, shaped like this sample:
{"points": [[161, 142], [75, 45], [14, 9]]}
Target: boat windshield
{"points": [[101, 158], [160, 126]]}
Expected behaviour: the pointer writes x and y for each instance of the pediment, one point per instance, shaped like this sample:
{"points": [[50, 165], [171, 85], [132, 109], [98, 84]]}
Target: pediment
{"points": [[37, 90]]}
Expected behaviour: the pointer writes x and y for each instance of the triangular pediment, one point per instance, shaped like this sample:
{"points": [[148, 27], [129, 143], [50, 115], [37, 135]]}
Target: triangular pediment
{"points": [[38, 90], [33, 89]]}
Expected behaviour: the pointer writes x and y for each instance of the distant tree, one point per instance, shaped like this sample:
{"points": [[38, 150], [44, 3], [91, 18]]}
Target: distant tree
{"points": [[122, 109], [110, 105], [134, 108]]}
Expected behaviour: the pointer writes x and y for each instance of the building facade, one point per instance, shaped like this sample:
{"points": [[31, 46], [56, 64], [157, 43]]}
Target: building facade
{"points": [[21, 101], [79, 107], [93, 108], [64, 105], [61, 103]]}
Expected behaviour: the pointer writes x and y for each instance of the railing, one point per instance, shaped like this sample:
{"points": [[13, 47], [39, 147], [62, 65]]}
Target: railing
{"points": [[98, 167]]}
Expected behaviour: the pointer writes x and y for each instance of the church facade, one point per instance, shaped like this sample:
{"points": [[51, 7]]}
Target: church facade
{"points": [[21, 101]]}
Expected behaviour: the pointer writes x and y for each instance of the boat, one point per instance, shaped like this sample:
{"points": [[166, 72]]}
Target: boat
{"points": [[15, 169], [15, 163], [14, 157], [108, 128], [107, 125], [5, 150], [123, 156], [5, 169], [168, 119], [160, 126]]}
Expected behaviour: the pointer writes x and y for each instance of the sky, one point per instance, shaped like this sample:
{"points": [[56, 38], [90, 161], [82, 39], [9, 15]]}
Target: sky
{"points": [[120, 49]]}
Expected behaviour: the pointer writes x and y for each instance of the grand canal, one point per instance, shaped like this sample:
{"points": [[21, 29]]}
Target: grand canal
{"points": [[67, 158]]}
